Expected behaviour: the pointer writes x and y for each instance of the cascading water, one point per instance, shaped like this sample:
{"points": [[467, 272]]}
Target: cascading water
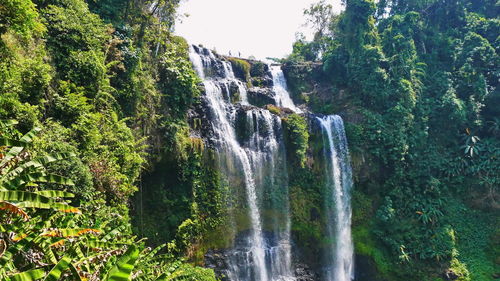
{"points": [[257, 160], [280, 89], [339, 258]]}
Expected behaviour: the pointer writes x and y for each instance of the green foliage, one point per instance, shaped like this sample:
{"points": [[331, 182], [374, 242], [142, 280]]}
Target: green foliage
{"points": [[303, 51], [56, 272], [321, 19], [401, 70], [476, 230], [297, 136], [29, 275], [178, 81], [124, 266], [77, 38], [306, 223], [36, 237], [187, 272], [21, 16], [111, 92], [460, 270], [103, 96], [241, 68], [273, 109]]}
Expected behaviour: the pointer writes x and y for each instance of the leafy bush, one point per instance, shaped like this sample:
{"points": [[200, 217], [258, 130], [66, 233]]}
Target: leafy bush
{"points": [[178, 82], [297, 136], [21, 16], [258, 69]]}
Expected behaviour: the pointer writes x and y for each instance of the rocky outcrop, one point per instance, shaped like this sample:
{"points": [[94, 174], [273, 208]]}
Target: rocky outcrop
{"points": [[216, 62], [261, 96], [232, 92], [260, 74], [218, 261], [304, 273]]}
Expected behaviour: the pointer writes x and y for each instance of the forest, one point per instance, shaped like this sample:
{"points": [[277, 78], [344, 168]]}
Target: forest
{"points": [[118, 160]]}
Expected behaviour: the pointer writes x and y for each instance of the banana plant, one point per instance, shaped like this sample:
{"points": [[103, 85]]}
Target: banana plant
{"points": [[17, 171], [123, 268], [15, 201], [54, 245]]}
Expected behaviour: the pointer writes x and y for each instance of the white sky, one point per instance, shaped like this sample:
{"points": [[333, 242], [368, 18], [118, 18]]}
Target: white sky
{"points": [[262, 28]]}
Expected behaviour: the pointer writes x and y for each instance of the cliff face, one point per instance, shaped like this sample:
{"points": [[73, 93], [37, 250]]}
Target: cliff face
{"points": [[312, 89], [403, 189], [243, 118], [247, 89]]}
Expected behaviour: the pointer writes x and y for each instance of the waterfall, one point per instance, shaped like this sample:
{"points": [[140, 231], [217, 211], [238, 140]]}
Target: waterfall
{"points": [[280, 88], [255, 167], [339, 257]]}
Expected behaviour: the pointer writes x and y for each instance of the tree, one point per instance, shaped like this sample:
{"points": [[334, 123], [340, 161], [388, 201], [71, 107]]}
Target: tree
{"points": [[20, 16]]}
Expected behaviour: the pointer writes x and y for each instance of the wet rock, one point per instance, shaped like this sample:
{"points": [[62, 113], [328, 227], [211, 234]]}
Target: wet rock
{"points": [[243, 127], [304, 273], [213, 64], [217, 260], [220, 260], [261, 96], [287, 110], [197, 48], [262, 82], [200, 118], [234, 92], [258, 69], [261, 74]]}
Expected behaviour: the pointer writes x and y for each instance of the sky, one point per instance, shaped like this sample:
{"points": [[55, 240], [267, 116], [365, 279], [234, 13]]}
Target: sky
{"points": [[259, 28]]}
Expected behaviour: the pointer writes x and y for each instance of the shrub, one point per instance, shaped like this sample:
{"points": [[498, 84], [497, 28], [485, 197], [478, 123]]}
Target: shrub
{"points": [[258, 69], [297, 137]]}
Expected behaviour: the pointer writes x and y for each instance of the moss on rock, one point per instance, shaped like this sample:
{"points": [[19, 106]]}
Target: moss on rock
{"points": [[241, 68]]}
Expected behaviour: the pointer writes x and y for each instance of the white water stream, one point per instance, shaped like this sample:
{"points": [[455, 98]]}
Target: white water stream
{"points": [[258, 163], [260, 160], [281, 90], [340, 265]]}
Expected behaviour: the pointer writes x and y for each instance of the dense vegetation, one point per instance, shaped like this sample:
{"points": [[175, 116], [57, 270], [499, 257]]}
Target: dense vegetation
{"points": [[91, 94], [417, 82], [101, 177]]}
